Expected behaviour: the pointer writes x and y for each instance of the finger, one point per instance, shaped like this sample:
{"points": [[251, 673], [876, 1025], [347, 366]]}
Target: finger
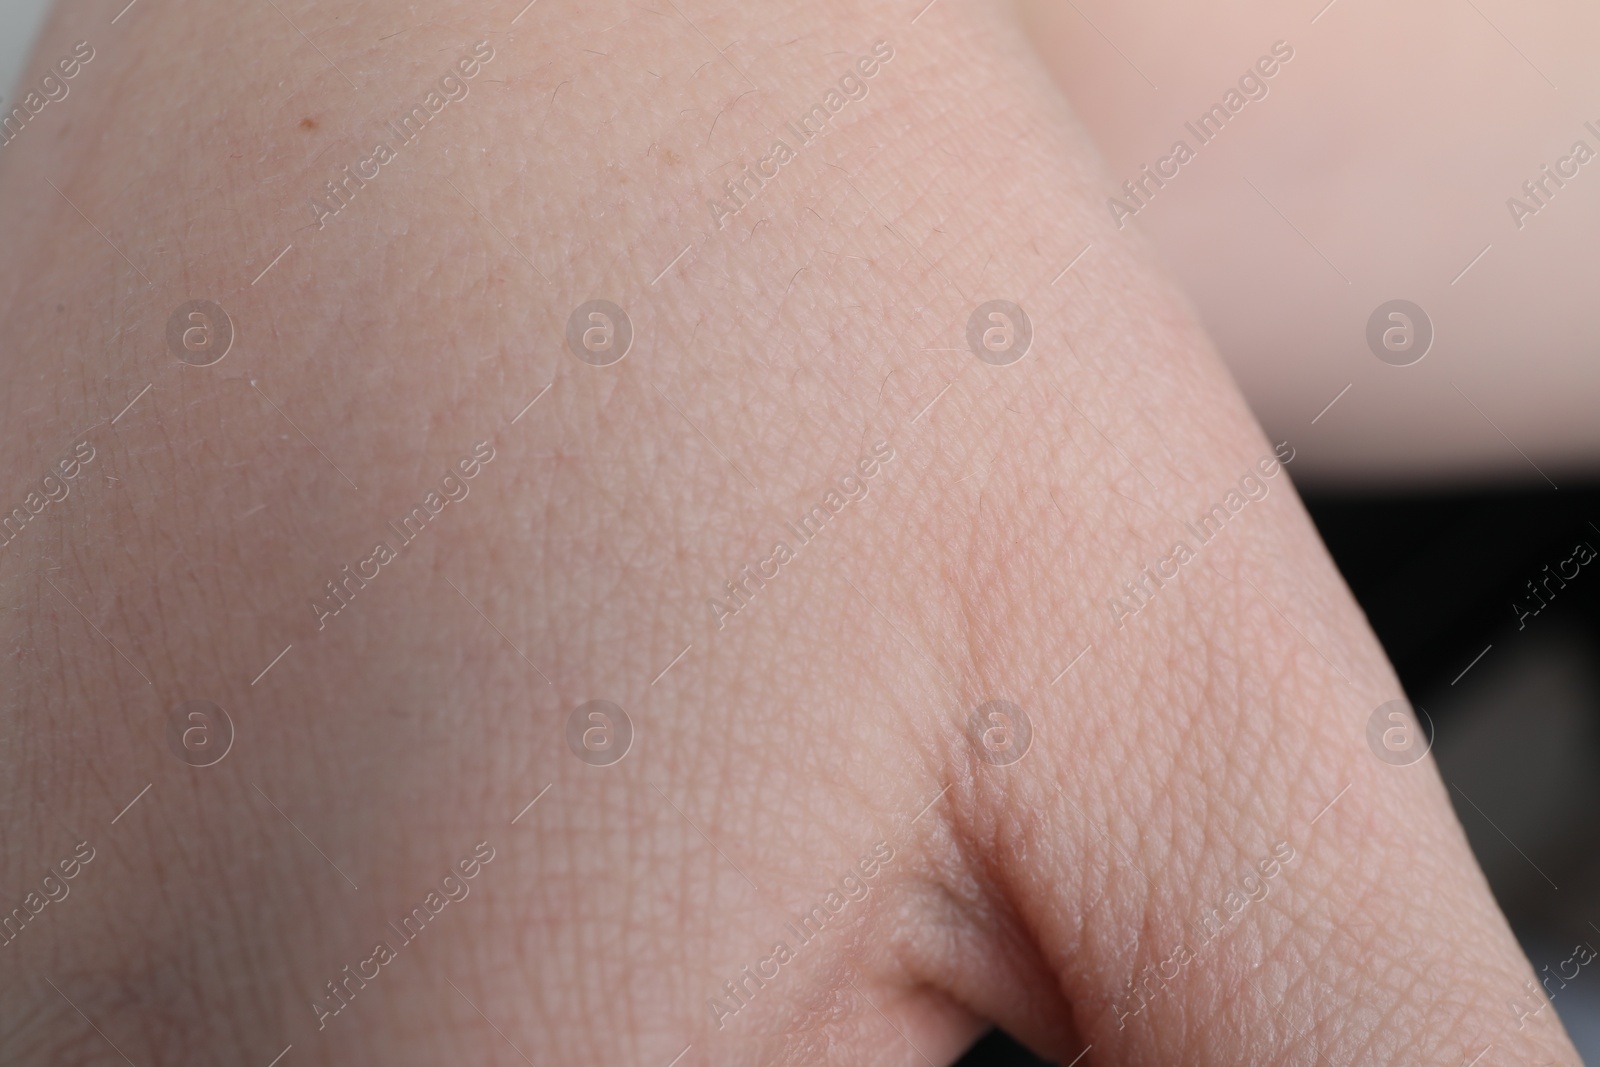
{"points": [[1213, 846]]}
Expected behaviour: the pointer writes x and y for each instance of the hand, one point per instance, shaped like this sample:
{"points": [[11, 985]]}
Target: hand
{"points": [[970, 738]]}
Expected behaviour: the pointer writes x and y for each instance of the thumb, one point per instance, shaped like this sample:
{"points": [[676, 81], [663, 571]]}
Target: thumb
{"points": [[1228, 845]]}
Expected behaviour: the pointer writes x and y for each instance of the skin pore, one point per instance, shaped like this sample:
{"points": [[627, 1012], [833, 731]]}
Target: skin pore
{"points": [[1176, 755]]}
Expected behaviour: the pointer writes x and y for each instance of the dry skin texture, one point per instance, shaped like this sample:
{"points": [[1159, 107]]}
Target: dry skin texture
{"points": [[819, 730]]}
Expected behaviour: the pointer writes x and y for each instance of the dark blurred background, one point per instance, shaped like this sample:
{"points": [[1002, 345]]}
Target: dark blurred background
{"points": [[1514, 700]]}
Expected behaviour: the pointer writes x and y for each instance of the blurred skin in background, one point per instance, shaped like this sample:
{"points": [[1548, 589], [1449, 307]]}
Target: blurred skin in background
{"points": [[1398, 144], [1051, 710]]}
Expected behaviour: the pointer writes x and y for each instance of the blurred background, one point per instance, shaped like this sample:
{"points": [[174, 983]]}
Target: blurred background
{"points": [[1514, 696]]}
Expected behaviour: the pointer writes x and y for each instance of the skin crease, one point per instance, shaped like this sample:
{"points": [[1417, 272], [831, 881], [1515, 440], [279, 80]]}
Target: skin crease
{"points": [[828, 715]]}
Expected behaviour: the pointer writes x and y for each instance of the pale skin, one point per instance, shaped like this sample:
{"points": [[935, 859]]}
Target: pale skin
{"points": [[1435, 152], [1176, 750]]}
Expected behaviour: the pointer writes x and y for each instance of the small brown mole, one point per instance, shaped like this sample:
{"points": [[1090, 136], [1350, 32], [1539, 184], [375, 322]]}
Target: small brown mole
{"points": [[308, 123]]}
